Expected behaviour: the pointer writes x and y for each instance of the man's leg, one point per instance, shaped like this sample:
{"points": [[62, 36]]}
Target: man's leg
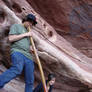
{"points": [[15, 70], [29, 75]]}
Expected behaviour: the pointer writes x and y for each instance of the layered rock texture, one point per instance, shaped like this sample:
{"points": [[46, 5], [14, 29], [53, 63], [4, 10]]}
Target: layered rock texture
{"points": [[62, 36]]}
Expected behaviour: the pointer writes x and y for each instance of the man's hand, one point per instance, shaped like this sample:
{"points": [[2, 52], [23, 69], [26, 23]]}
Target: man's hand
{"points": [[31, 50], [28, 34]]}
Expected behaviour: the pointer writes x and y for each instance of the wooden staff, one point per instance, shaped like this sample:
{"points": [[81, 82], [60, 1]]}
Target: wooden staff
{"points": [[38, 62]]}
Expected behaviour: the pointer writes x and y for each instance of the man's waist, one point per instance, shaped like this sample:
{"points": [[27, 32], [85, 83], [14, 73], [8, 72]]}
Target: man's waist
{"points": [[20, 50]]}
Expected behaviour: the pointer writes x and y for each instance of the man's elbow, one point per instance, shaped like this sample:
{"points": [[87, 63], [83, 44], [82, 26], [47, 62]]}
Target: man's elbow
{"points": [[10, 38]]}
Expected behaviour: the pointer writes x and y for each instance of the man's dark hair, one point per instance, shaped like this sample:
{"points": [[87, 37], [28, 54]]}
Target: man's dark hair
{"points": [[51, 76], [33, 23], [30, 18]]}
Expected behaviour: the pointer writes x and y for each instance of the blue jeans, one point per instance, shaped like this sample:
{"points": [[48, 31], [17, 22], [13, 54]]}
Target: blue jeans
{"points": [[19, 62]]}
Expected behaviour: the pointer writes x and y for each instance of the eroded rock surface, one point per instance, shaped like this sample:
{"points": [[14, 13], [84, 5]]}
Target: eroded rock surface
{"points": [[62, 37]]}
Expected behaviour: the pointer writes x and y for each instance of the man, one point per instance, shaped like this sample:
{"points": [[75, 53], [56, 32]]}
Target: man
{"points": [[49, 83], [20, 53]]}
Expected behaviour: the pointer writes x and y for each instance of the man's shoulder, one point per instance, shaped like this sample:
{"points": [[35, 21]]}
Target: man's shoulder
{"points": [[15, 29], [16, 25]]}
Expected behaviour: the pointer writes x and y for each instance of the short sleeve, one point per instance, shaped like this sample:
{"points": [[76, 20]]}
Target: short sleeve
{"points": [[13, 30]]}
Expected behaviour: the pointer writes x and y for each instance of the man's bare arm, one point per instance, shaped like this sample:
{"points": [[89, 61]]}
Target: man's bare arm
{"points": [[13, 38]]}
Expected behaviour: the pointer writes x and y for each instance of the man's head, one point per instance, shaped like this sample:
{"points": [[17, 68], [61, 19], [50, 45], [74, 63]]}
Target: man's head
{"points": [[51, 78], [30, 19]]}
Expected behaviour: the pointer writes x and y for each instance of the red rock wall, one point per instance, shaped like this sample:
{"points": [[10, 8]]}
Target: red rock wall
{"points": [[57, 13], [71, 19]]}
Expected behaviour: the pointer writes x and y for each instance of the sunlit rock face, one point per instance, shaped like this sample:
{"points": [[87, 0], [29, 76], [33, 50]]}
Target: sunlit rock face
{"points": [[62, 37], [71, 19]]}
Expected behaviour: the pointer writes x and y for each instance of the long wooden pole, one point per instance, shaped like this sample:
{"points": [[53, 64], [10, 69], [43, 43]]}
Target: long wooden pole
{"points": [[38, 62]]}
